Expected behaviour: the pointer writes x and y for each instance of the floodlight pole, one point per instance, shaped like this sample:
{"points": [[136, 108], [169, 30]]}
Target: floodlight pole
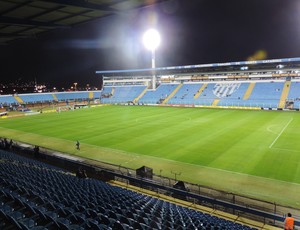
{"points": [[151, 41], [153, 68]]}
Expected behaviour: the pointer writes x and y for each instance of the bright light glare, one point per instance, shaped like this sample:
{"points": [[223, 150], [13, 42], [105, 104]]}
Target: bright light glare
{"points": [[151, 39]]}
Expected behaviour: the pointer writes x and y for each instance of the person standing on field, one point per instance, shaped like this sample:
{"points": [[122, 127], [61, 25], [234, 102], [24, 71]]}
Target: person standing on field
{"points": [[77, 145], [289, 222]]}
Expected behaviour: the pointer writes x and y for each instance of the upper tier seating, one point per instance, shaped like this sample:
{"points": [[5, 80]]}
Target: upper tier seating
{"points": [[34, 195], [108, 90], [122, 94], [158, 95], [185, 95]]}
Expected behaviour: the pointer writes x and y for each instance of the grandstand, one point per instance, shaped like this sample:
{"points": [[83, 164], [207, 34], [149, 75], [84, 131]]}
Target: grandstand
{"points": [[46, 98], [267, 84], [41, 196], [120, 94], [7, 100], [262, 85]]}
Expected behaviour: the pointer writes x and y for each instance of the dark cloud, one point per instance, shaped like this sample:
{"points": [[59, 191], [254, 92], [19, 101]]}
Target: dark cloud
{"points": [[193, 32]]}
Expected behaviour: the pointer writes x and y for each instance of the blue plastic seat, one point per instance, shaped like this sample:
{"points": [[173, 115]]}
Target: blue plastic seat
{"points": [[91, 224], [103, 219], [77, 218], [124, 220], [90, 213], [118, 226], [4, 220], [65, 211], [30, 224]]}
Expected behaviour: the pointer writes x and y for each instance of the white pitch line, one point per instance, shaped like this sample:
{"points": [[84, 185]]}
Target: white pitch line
{"points": [[280, 133]]}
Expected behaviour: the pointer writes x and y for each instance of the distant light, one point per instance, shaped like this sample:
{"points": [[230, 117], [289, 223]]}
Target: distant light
{"points": [[244, 67], [151, 39]]}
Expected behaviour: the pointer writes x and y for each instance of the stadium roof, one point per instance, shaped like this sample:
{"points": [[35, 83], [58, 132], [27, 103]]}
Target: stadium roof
{"points": [[24, 18], [250, 66]]}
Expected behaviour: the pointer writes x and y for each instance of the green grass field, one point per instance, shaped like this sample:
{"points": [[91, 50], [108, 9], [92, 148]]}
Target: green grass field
{"points": [[253, 153]]}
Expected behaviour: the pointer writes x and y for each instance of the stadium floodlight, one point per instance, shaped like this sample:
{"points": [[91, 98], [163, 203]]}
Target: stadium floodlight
{"points": [[151, 41]]}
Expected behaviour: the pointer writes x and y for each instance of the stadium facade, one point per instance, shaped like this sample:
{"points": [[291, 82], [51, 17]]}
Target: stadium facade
{"points": [[267, 84]]}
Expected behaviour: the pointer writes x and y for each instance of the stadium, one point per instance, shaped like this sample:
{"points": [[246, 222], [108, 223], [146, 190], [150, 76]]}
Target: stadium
{"points": [[206, 146], [190, 127]]}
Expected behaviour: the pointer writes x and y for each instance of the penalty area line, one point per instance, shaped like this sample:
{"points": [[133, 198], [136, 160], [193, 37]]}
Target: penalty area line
{"points": [[271, 145]]}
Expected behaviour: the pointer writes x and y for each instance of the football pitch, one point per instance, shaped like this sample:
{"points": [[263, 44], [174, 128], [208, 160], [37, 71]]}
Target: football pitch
{"points": [[252, 153]]}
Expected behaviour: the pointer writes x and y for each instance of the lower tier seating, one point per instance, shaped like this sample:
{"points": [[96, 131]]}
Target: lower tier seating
{"points": [[34, 195]]}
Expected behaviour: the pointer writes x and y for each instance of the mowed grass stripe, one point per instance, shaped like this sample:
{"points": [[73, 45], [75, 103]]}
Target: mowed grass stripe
{"points": [[257, 187], [190, 140]]}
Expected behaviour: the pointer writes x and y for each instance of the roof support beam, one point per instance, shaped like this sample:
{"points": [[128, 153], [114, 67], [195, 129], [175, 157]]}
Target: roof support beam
{"points": [[83, 4], [19, 5], [72, 15], [45, 12], [26, 22], [13, 35]]}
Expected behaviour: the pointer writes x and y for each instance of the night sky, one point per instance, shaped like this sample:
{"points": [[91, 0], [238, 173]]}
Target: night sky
{"points": [[192, 31]]}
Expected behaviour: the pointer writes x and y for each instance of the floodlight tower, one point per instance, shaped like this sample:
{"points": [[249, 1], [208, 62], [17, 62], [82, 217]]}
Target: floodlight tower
{"points": [[151, 41]]}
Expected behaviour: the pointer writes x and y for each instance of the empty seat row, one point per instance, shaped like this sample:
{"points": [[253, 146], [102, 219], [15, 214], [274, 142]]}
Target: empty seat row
{"points": [[34, 195]]}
